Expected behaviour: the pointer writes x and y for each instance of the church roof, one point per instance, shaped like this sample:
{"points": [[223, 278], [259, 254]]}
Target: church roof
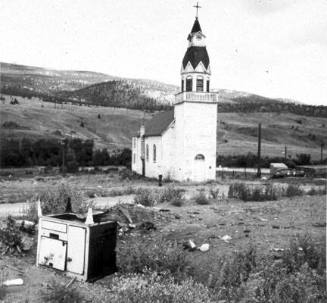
{"points": [[159, 123], [196, 26], [196, 54]]}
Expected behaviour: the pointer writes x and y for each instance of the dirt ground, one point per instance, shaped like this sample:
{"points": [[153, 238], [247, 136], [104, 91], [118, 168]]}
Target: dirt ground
{"points": [[265, 225]]}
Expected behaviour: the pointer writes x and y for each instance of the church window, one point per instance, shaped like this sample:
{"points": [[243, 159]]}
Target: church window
{"points": [[182, 85], [134, 142], [154, 153], [147, 152], [189, 84], [199, 157], [134, 158], [199, 84], [208, 86]]}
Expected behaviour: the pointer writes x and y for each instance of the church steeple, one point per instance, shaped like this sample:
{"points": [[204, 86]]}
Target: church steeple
{"points": [[195, 70]]}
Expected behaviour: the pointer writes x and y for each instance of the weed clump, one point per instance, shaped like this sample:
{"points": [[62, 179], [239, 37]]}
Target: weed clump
{"points": [[247, 192], [152, 287], [10, 238], [201, 198], [293, 190], [160, 256], [57, 292], [54, 200], [145, 197]]}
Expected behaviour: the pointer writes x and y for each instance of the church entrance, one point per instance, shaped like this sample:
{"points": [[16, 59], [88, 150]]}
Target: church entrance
{"points": [[199, 171]]}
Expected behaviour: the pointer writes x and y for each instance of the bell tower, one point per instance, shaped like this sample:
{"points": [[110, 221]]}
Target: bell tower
{"points": [[195, 112]]}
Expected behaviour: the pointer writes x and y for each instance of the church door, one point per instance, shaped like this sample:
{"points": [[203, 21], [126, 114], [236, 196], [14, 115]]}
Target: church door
{"points": [[199, 172]]}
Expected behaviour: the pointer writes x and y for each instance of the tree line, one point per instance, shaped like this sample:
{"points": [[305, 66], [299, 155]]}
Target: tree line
{"points": [[70, 153]]}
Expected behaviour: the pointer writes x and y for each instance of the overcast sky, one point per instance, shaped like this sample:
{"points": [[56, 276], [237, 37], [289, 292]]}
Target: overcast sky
{"points": [[276, 48]]}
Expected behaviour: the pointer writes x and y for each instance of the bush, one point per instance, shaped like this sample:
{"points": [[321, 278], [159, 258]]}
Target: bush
{"points": [[316, 191], [214, 193], [145, 198], [293, 190], [247, 192], [173, 195], [151, 287], [303, 250], [201, 198], [58, 293], [160, 256], [10, 237], [54, 200]]}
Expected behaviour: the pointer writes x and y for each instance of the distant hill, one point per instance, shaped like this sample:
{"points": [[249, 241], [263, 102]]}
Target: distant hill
{"points": [[101, 89], [113, 128]]}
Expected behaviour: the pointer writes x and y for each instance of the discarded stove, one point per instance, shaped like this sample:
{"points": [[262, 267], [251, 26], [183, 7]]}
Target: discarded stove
{"points": [[81, 246]]}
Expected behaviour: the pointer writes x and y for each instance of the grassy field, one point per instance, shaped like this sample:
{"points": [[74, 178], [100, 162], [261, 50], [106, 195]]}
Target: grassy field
{"points": [[266, 226], [236, 131]]}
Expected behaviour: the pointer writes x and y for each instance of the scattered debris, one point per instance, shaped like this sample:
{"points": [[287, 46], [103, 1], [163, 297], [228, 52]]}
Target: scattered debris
{"points": [[126, 214], [14, 268], [263, 219], [278, 249], [27, 243], [319, 224], [276, 226], [14, 282], [226, 238], [147, 226], [204, 247], [164, 210], [70, 282], [189, 245], [246, 231], [177, 216]]}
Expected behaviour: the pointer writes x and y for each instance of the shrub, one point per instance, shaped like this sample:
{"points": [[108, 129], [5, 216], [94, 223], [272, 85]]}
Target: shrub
{"points": [[10, 237], [247, 192], [145, 197], [160, 256], [227, 274], [58, 293], [54, 200], [302, 250], [173, 195], [316, 191], [151, 287], [201, 198], [214, 193], [293, 190]]}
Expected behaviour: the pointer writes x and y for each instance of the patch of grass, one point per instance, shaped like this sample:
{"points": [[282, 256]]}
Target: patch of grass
{"points": [[54, 200], [173, 195], [293, 190], [214, 193], [145, 197], [57, 292], [316, 191], [152, 287], [248, 192], [160, 256], [201, 198], [10, 237]]}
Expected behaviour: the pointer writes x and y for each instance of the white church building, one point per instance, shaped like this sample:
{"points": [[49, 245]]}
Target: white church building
{"points": [[181, 144]]}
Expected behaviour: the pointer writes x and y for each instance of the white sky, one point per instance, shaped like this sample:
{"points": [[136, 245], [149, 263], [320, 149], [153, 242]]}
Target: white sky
{"points": [[276, 48]]}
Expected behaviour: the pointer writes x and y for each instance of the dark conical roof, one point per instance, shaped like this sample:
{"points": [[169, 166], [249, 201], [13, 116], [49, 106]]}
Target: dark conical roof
{"points": [[195, 55], [196, 26]]}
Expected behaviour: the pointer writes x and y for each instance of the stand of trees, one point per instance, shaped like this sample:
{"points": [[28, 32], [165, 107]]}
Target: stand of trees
{"points": [[251, 160], [50, 152]]}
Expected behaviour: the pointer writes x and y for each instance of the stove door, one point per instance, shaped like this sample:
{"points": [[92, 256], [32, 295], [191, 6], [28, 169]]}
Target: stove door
{"points": [[76, 249], [53, 253]]}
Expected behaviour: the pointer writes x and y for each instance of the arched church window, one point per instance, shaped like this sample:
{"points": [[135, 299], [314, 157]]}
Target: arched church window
{"points": [[199, 157], [182, 86], [154, 153], [199, 84], [147, 152], [208, 86], [189, 84]]}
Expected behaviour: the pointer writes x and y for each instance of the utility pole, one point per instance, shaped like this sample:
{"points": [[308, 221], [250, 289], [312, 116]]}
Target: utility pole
{"points": [[259, 151], [285, 152], [322, 152]]}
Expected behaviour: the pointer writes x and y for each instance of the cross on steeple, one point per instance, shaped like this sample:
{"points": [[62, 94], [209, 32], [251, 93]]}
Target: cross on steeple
{"points": [[197, 6]]}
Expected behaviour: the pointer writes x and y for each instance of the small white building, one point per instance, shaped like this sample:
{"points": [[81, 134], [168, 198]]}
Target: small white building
{"points": [[181, 144]]}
